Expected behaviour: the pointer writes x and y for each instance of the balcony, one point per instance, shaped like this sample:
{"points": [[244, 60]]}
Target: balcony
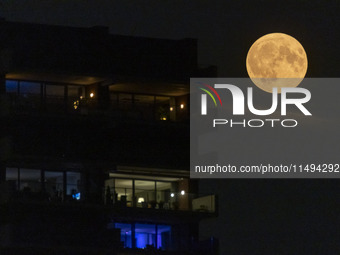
{"points": [[39, 98], [162, 191]]}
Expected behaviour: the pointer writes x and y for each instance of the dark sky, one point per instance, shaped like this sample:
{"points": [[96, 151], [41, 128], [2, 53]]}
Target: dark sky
{"points": [[257, 216], [225, 29]]}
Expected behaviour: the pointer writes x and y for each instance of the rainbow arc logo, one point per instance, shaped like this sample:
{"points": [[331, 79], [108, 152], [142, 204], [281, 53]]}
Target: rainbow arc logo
{"points": [[204, 97]]}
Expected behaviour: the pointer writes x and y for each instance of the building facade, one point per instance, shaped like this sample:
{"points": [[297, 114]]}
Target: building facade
{"points": [[95, 143]]}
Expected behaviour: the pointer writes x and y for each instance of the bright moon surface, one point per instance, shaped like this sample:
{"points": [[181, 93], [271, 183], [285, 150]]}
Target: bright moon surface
{"points": [[276, 60]]}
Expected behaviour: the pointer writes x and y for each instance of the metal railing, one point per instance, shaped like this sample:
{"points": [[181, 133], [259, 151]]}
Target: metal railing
{"points": [[25, 104]]}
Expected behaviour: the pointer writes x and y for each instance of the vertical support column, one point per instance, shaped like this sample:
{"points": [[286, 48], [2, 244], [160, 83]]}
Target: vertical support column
{"points": [[134, 202], [87, 185], [4, 101], [5, 142], [156, 237], [19, 178], [66, 98], [133, 102], [42, 96], [156, 191], [42, 178], [133, 235], [103, 97], [2, 84], [2, 172], [64, 185], [154, 107]]}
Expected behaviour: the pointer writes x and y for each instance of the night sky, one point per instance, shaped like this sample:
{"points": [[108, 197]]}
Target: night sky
{"points": [[256, 216], [225, 29]]}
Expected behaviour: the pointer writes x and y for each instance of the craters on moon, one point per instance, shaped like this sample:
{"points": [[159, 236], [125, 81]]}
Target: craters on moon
{"points": [[276, 60]]}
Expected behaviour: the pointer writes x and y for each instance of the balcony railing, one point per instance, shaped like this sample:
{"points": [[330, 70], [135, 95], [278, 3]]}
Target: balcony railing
{"points": [[169, 201], [26, 104], [178, 202]]}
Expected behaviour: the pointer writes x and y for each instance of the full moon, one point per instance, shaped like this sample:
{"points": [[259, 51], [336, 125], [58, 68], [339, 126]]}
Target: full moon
{"points": [[276, 60]]}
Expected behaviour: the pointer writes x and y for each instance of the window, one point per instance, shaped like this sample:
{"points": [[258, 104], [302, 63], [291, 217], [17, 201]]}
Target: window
{"points": [[163, 194], [163, 237], [55, 91], [155, 235], [12, 176], [125, 101], [30, 88], [54, 185], [145, 235], [145, 193], [30, 180], [11, 86], [125, 234], [162, 106], [158, 194], [123, 191], [73, 185], [75, 91]]}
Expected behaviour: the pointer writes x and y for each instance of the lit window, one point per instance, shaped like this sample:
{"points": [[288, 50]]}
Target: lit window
{"points": [[125, 234], [145, 234]]}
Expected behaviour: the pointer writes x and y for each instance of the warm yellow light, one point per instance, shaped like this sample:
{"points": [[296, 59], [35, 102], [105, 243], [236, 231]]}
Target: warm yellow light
{"points": [[171, 109], [75, 104], [182, 106], [92, 95], [81, 97], [141, 200], [164, 118], [275, 57]]}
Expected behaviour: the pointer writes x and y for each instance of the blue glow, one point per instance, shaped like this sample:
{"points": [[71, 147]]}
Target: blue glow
{"points": [[125, 234], [145, 234], [11, 86], [76, 196]]}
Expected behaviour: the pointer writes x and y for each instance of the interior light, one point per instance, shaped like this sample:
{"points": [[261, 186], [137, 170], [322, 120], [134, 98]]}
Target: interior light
{"points": [[91, 94], [182, 192], [75, 104], [141, 200], [171, 109], [76, 196], [172, 194], [182, 106]]}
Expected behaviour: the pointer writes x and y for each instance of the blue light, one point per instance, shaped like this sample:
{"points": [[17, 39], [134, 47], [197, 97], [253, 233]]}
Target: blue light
{"points": [[76, 196], [11, 86]]}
